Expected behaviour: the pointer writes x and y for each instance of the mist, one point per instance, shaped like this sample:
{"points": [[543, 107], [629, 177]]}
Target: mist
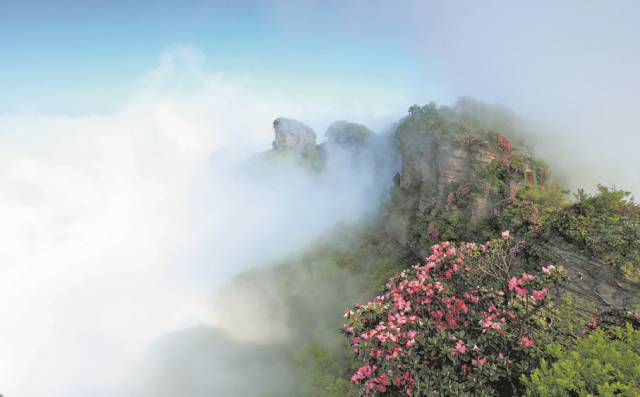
{"points": [[118, 229], [568, 67]]}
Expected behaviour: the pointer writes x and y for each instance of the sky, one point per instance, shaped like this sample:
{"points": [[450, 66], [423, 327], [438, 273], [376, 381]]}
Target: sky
{"points": [[75, 56], [121, 124]]}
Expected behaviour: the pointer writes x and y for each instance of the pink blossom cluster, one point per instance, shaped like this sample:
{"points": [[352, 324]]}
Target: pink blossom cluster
{"points": [[519, 286], [440, 297]]}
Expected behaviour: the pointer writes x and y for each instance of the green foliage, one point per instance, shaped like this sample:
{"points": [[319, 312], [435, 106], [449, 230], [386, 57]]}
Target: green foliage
{"points": [[525, 210], [562, 323], [606, 225], [604, 363], [466, 121], [451, 225], [323, 373]]}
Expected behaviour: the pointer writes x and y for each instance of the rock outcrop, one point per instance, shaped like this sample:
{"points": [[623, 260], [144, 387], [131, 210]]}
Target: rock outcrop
{"points": [[453, 178], [594, 281], [345, 133], [439, 172], [293, 134]]}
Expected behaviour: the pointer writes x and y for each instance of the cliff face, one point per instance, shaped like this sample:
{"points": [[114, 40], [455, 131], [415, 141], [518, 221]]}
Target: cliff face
{"points": [[451, 177], [594, 281], [434, 168]]}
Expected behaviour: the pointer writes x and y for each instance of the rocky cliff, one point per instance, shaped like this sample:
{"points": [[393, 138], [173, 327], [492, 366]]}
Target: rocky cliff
{"points": [[453, 176], [593, 280]]}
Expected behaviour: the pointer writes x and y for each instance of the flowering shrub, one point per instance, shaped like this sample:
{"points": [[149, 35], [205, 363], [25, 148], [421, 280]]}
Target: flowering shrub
{"points": [[457, 325]]}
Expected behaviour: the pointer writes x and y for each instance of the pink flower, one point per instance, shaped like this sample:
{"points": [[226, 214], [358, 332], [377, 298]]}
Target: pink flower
{"points": [[527, 342], [471, 297], [548, 269], [526, 277], [449, 273], [460, 348], [363, 372], [489, 324], [505, 234], [513, 283], [480, 361], [539, 295], [460, 306]]}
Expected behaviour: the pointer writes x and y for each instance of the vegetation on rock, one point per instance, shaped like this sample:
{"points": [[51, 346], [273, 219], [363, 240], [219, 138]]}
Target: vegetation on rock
{"points": [[606, 225]]}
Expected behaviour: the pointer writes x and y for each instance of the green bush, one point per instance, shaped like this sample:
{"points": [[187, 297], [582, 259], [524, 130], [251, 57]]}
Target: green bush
{"points": [[604, 363], [606, 225]]}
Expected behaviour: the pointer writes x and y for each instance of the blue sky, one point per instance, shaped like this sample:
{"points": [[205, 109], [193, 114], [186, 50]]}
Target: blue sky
{"points": [[75, 56]]}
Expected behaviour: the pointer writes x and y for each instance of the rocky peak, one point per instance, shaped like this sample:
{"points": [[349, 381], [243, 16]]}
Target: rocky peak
{"points": [[345, 133], [293, 134]]}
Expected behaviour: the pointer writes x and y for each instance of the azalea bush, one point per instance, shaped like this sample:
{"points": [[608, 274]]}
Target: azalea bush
{"points": [[459, 324]]}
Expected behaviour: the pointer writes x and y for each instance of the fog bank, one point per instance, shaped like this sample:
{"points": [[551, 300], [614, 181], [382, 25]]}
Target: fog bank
{"points": [[117, 229]]}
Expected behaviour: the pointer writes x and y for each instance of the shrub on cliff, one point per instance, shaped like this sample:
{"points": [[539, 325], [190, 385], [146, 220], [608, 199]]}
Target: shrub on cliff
{"points": [[604, 363], [461, 324], [606, 225]]}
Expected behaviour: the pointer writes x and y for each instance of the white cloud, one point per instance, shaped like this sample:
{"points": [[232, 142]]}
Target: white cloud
{"points": [[116, 228]]}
